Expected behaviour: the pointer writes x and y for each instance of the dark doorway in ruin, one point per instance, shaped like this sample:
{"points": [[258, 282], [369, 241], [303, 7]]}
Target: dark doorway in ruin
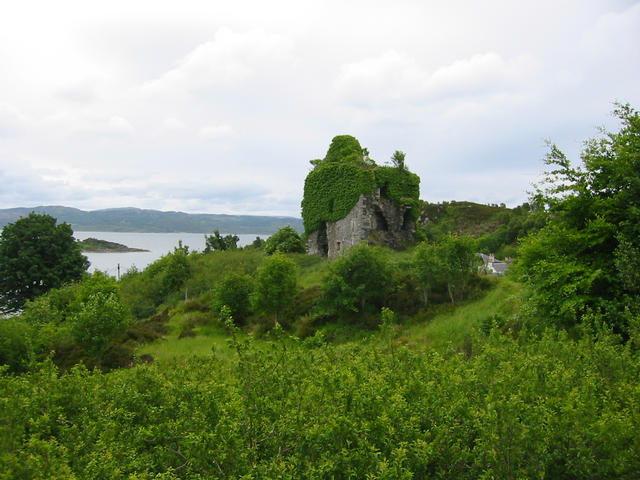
{"points": [[381, 222], [406, 220], [323, 243]]}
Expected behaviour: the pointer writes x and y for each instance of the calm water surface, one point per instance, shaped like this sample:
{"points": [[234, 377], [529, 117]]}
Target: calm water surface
{"points": [[158, 245]]}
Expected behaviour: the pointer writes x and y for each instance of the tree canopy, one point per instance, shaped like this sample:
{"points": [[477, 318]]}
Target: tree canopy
{"points": [[358, 280], [285, 240], [36, 255], [276, 283], [218, 242], [578, 262]]}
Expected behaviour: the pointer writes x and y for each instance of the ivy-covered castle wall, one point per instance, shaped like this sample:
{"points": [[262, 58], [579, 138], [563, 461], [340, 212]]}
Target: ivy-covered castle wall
{"points": [[348, 198]]}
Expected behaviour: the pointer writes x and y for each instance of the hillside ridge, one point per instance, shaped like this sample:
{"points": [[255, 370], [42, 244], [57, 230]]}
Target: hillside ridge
{"points": [[130, 219]]}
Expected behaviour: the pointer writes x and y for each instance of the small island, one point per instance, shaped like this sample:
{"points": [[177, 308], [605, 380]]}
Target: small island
{"points": [[94, 245]]}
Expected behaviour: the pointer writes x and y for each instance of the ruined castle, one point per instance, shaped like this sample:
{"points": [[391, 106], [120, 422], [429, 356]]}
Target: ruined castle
{"points": [[349, 199]]}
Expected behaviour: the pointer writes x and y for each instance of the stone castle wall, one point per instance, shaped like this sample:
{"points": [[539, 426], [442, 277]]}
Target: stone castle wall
{"points": [[373, 219]]}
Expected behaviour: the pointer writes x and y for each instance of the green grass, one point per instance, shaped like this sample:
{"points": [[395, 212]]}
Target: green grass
{"points": [[171, 348], [448, 326], [208, 337]]}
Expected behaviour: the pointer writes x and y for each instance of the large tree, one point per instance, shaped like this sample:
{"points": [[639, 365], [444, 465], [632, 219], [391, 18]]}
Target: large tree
{"points": [[584, 261], [35, 256], [276, 284]]}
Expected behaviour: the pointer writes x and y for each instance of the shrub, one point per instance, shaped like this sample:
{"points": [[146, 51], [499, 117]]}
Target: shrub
{"points": [[234, 292], [285, 240], [98, 321], [16, 349], [275, 284], [359, 280]]}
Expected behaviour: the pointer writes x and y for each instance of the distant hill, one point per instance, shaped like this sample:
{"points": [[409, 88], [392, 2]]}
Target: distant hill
{"points": [[463, 218], [138, 220]]}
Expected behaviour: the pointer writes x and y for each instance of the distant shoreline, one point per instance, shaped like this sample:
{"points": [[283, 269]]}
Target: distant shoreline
{"points": [[94, 245]]}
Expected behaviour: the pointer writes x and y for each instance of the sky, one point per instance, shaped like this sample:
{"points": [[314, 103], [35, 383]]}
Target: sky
{"points": [[217, 107]]}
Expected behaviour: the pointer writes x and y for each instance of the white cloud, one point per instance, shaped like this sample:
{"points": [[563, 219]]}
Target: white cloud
{"points": [[173, 124], [396, 77], [119, 126], [480, 74], [213, 132], [131, 101], [227, 60], [12, 122]]}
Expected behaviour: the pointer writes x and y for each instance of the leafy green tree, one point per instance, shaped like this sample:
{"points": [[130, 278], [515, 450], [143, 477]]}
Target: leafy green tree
{"points": [[459, 263], [397, 159], [234, 292], [257, 244], [359, 279], [218, 242], [578, 262], [177, 270], [36, 255], [276, 283], [285, 240], [427, 267], [16, 348], [100, 318]]}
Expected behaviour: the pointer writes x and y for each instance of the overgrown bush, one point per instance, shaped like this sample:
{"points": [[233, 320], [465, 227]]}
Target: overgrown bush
{"points": [[16, 346], [358, 281], [547, 407], [275, 286], [100, 318], [234, 292], [285, 240]]}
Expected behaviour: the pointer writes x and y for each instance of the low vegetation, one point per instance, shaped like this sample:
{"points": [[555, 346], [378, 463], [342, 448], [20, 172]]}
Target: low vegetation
{"points": [[247, 363]]}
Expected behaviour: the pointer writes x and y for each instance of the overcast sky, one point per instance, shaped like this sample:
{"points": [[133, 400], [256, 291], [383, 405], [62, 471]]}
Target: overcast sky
{"points": [[218, 106]]}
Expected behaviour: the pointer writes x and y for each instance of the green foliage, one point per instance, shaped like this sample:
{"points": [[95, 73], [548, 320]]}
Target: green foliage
{"points": [[514, 225], [176, 271], [53, 320], [285, 240], [16, 348], [358, 280], [459, 263], [275, 286], [330, 192], [344, 148], [257, 244], [575, 264], [397, 159], [36, 255], [497, 228], [218, 242], [549, 407], [234, 293], [400, 186], [208, 270], [334, 186], [142, 292], [427, 267], [100, 318]]}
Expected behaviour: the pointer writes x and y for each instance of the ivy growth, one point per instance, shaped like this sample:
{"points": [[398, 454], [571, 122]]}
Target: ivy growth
{"points": [[335, 184]]}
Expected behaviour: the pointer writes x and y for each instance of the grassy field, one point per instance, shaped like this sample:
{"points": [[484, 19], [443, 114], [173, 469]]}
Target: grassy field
{"points": [[449, 327], [442, 327]]}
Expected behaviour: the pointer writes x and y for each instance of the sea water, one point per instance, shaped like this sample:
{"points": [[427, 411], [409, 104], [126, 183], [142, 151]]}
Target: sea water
{"points": [[158, 244]]}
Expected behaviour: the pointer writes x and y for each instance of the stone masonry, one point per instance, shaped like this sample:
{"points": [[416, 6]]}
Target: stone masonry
{"points": [[373, 219]]}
